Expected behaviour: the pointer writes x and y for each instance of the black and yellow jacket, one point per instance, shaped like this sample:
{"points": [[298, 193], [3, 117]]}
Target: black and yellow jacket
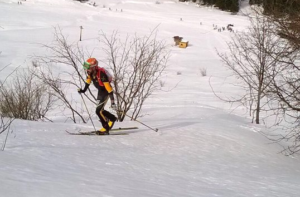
{"points": [[101, 82]]}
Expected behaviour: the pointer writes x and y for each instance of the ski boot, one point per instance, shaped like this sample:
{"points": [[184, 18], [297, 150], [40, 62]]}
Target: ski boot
{"points": [[111, 123], [103, 131]]}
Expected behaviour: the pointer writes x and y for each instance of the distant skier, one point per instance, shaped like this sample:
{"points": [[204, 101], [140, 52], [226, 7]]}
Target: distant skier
{"points": [[101, 80]]}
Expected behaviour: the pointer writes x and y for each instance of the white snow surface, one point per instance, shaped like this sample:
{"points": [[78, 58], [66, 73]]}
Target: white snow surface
{"points": [[200, 150]]}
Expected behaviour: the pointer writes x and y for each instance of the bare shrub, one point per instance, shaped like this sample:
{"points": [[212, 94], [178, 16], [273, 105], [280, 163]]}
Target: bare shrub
{"points": [[25, 97], [68, 59], [137, 64], [5, 123]]}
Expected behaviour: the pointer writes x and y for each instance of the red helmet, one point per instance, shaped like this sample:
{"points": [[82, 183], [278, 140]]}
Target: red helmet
{"points": [[90, 63]]}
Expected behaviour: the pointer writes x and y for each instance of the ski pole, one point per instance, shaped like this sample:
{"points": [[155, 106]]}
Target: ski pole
{"points": [[156, 129], [88, 112]]}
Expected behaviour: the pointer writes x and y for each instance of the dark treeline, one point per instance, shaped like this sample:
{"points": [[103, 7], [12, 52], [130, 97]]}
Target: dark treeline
{"points": [[291, 7], [227, 5]]}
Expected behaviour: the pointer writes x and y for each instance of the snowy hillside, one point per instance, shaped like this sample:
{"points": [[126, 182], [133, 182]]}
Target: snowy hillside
{"points": [[200, 150]]}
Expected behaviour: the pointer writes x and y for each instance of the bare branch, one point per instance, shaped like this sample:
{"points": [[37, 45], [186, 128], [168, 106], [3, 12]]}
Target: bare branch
{"points": [[137, 64]]}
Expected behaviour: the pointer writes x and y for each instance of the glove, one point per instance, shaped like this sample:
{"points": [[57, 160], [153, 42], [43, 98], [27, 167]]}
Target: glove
{"points": [[114, 106], [80, 91]]}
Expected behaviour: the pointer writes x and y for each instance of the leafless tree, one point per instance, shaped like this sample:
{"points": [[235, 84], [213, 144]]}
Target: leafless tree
{"points": [[137, 64], [61, 71], [287, 22], [255, 57], [285, 86], [266, 59]]}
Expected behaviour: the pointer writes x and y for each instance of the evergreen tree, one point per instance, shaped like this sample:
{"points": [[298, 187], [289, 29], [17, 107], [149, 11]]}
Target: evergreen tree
{"points": [[209, 2], [234, 6], [279, 7], [255, 2], [228, 5]]}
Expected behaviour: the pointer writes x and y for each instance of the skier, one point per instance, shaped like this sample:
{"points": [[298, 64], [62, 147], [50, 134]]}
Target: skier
{"points": [[101, 80]]}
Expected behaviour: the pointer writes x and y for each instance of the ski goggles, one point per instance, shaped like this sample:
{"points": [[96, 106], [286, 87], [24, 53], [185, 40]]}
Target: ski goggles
{"points": [[86, 65]]}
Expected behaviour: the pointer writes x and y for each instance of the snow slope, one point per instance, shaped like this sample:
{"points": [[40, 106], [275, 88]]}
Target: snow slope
{"points": [[200, 150]]}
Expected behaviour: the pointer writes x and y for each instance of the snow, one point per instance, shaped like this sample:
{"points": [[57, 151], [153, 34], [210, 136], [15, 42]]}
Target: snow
{"points": [[200, 150]]}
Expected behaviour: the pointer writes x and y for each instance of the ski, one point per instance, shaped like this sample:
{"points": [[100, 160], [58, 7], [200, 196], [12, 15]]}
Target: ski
{"points": [[123, 128], [94, 132]]}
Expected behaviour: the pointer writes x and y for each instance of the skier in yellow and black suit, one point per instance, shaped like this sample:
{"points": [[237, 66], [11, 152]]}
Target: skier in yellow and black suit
{"points": [[100, 79]]}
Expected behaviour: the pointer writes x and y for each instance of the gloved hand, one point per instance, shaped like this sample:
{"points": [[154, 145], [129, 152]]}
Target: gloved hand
{"points": [[80, 91], [114, 106]]}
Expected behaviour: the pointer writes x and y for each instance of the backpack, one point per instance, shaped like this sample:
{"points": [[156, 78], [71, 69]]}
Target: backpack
{"points": [[109, 76]]}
